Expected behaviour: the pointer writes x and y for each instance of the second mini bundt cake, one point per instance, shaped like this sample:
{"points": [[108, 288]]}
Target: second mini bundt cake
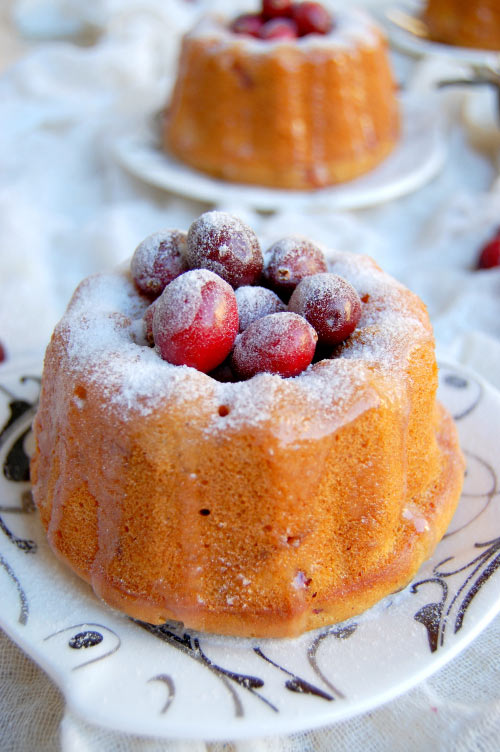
{"points": [[466, 23], [259, 482], [283, 109]]}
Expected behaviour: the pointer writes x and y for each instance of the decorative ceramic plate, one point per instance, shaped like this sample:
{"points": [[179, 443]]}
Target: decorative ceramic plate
{"points": [[407, 31], [416, 159], [169, 682]]}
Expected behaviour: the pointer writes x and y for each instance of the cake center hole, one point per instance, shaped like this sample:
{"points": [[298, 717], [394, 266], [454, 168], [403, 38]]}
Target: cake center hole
{"points": [[204, 512]]}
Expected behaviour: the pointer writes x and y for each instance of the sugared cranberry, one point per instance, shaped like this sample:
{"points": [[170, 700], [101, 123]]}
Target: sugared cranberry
{"points": [[248, 23], [279, 28], [290, 260], [158, 260], [195, 320], [330, 304], [490, 254], [254, 302], [147, 323], [276, 8], [281, 343], [312, 18], [3, 354], [225, 245]]}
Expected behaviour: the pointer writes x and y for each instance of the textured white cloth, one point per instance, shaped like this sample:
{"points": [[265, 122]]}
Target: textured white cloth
{"points": [[67, 210]]}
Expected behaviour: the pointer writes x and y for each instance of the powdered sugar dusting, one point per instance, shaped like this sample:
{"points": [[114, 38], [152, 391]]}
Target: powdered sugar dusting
{"points": [[275, 327], [254, 302], [147, 250], [158, 260], [101, 340], [101, 331], [352, 27], [316, 288], [181, 300], [281, 343], [224, 244], [292, 244], [214, 221], [291, 259]]}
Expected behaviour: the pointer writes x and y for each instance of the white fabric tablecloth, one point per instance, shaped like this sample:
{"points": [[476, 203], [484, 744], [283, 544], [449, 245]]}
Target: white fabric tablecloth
{"points": [[67, 209]]}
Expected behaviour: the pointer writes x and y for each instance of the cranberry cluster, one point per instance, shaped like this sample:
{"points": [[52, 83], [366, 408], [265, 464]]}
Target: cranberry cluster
{"points": [[218, 308], [284, 19]]}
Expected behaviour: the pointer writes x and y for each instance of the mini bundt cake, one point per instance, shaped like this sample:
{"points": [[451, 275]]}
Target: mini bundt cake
{"points": [[294, 484], [466, 23], [293, 107]]}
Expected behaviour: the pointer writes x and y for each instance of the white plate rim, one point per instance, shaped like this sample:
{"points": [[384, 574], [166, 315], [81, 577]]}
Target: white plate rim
{"points": [[136, 151]]}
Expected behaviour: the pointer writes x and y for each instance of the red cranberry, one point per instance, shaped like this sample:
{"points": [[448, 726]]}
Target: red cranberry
{"points": [[158, 260], [276, 8], [279, 28], [254, 302], [147, 322], [330, 304], [290, 260], [248, 23], [225, 245], [281, 343], [3, 354], [490, 254], [312, 18], [195, 321]]}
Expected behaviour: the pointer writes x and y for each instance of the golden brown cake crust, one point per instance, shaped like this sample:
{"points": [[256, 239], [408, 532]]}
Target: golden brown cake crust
{"points": [[301, 503], [298, 114], [464, 23]]}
